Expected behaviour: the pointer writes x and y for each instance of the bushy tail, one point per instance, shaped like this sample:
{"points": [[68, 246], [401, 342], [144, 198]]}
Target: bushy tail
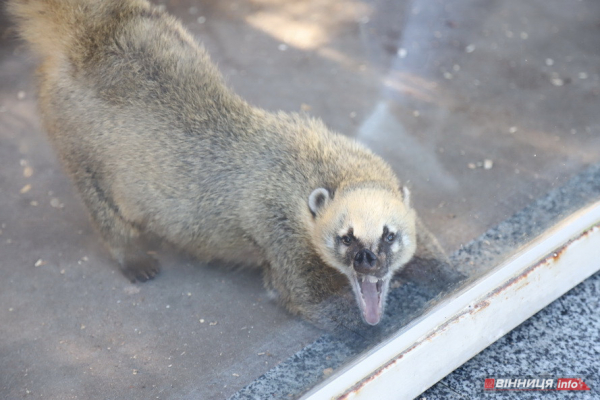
{"points": [[53, 26], [47, 25]]}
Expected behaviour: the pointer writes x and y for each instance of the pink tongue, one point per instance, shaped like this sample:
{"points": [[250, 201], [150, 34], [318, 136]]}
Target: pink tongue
{"points": [[371, 299]]}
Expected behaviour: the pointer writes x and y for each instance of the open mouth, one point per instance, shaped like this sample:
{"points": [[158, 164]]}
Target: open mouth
{"points": [[369, 291]]}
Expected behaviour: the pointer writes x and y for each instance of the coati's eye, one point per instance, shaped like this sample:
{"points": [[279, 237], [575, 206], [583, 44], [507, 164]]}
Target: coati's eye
{"points": [[390, 237], [346, 240]]}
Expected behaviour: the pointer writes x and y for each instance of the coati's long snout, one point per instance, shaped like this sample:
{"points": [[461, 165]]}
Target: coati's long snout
{"points": [[370, 284], [366, 262]]}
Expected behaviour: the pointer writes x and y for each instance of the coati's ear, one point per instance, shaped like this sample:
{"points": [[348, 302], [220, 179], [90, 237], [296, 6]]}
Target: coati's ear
{"points": [[317, 200], [406, 196]]}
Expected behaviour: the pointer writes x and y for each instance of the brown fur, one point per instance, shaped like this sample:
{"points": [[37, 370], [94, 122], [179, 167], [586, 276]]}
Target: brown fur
{"points": [[155, 142]]}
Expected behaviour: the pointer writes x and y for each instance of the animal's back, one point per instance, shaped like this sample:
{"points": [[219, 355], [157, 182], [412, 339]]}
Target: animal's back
{"points": [[133, 104], [128, 54]]}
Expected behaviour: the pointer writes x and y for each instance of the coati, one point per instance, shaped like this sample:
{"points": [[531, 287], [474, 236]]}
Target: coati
{"points": [[156, 142]]}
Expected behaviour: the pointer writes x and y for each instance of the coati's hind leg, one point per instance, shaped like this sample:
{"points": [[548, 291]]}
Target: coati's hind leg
{"points": [[120, 236]]}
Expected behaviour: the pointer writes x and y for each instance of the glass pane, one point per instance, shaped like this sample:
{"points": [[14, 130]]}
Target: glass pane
{"points": [[481, 108]]}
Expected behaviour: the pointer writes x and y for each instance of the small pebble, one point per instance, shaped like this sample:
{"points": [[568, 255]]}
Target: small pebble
{"points": [[402, 52], [201, 20], [488, 164], [25, 189], [395, 284], [34, 203], [132, 289], [21, 95], [549, 62], [583, 75], [470, 48], [39, 263], [236, 375], [557, 81], [282, 47], [512, 129], [56, 203], [524, 35], [213, 323], [27, 172], [447, 75], [327, 371], [471, 165]]}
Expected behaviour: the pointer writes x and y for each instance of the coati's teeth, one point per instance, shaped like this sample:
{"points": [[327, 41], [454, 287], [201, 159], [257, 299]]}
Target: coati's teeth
{"points": [[370, 278]]}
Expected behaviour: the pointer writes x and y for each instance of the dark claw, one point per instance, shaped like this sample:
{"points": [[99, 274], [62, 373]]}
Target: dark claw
{"points": [[140, 268]]}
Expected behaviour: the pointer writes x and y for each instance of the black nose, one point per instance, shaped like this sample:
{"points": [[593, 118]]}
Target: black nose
{"points": [[364, 261]]}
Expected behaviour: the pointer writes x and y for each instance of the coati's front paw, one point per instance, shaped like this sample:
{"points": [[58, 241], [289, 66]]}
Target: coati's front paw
{"points": [[139, 267]]}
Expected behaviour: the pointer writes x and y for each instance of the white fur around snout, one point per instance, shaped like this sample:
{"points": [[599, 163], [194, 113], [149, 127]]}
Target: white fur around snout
{"points": [[318, 199], [406, 240], [330, 242]]}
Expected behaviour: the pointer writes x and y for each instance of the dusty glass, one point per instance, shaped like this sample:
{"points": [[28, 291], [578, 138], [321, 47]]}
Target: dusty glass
{"points": [[482, 108]]}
